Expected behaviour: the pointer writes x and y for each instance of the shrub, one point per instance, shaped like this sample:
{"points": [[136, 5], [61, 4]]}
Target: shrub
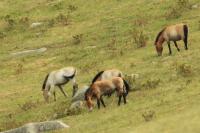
{"points": [[28, 105], [77, 39], [72, 8], [131, 79], [10, 21], [63, 19], [148, 115], [2, 35], [139, 38], [19, 68], [184, 69], [151, 83]]}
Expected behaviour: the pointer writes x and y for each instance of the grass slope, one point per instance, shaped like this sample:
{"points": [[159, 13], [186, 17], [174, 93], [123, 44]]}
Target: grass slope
{"points": [[109, 25]]}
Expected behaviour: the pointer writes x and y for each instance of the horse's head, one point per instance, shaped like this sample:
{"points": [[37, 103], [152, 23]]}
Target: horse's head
{"points": [[159, 48], [88, 99], [46, 95], [159, 41]]}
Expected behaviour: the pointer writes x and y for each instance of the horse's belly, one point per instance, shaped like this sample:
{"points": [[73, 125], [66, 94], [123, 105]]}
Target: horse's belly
{"points": [[174, 36]]}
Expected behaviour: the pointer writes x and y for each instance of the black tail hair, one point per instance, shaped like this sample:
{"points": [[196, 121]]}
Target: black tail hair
{"points": [[185, 29], [70, 77], [96, 77], [45, 81], [126, 86]]}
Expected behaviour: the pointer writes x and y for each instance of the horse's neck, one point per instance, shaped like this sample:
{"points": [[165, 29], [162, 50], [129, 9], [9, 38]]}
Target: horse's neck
{"points": [[161, 39]]}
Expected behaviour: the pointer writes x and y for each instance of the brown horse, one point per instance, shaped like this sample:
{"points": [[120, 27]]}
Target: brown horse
{"points": [[103, 87], [171, 33], [107, 74]]}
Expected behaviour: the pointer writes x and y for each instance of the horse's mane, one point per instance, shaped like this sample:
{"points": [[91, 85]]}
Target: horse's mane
{"points": [[159, 35], [86, 92], [97, 76], [45, 81]]}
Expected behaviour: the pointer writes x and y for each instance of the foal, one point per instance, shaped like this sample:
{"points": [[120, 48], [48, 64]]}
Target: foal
{"points": [[59, 78], [171, 33], [107, 74], [100, 88]]}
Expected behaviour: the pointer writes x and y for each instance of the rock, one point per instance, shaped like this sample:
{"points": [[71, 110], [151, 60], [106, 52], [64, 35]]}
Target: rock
{"points": [[80, 94], [36, 24], [41, 50], [195, 6], [91, 47], [77, 105], [38, 127]]}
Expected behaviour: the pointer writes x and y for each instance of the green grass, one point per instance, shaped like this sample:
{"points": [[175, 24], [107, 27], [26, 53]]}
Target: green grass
{"points": [[108, 25]]}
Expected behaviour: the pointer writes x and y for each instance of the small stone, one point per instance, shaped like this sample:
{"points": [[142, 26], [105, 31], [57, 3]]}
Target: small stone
{"points": [[195, 6], [80, 94], [36, 24], [77, 105]]}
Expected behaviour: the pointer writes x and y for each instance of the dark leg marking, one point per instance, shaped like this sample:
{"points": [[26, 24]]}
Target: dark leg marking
{"points": [[170, 51], [124, 97], [54, 94], [176, 46], [98, 103], [185, 28], [119, 100], [61, 89], [102, 102]]}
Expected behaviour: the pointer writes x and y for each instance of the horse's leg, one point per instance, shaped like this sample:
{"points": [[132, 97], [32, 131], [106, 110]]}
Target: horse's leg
{"points": [[185, 42], [102, 101], [75, 86], [176, 46], [98, 103], [52, 89], [54, 94], [119, 100], [170, 51], [61, 89], [124, 97], [185, 36]]}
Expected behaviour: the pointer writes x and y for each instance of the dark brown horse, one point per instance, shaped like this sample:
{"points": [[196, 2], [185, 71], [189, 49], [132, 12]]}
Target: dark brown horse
{"points": [[171, 33], [100, 88]]}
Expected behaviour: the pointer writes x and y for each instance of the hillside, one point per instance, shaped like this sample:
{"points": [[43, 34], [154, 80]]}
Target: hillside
{"points": [[96, 35]]}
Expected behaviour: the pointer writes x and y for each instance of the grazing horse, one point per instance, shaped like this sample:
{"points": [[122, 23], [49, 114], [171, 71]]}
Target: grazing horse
{"points": [[171, 33], [59, 78], [100, 88], [107, 74]]}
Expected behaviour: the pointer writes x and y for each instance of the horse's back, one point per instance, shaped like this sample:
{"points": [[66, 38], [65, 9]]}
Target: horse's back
{"points": [[109, 74], [174, 32], [58, 76]]}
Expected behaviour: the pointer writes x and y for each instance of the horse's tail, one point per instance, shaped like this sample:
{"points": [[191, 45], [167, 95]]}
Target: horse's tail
{"points": [[127, 87], [45, 81], [97, 76], [185, 29]]}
